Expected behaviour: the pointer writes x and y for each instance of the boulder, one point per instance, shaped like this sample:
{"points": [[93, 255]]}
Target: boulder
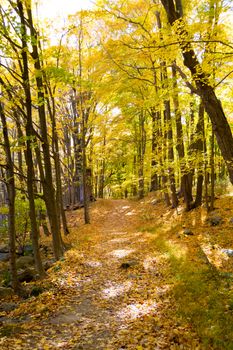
{"points": [[129, 263], [4, 249], [24, 262], [28, 275], [188, 232], [27, 249], [10, 329], [7, 307], [214, 220], [36, 290], [228, 252], [4, 292], [48, 264], [4, 256], [156, 201]]}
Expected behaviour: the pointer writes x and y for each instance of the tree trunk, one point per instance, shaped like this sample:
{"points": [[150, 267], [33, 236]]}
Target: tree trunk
{"points": [[102, 167], [28, 153], [165, 190], [212, 173], [101, 179], [83, 121], [168, 123], [155, 116], [77, 138], [49, 191], [200, 150], [10, 183], [169, 136], [141, 153], [57, 163]]}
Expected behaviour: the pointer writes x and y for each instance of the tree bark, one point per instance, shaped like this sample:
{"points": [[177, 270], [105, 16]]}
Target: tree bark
{"points": [[29, 141], [155, 116], [83, 120], [212, 174], [10, 184], [49, 190], [57, 163], [141, 153], [200, 150], [186, 189], [168, 123]]}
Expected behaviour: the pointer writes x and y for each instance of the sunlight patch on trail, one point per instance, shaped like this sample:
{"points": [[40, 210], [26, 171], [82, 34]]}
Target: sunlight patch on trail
{"points": [[126, 207], [121, 253], [69, 280], [131, 213], [116, 289], [93, 264], [162, 290], [133, 311], [118, 232], [141, 240], [149, 263], [119, 240], [136, 234]]}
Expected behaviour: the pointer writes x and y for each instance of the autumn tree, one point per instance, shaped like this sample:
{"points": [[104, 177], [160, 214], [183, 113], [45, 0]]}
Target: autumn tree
{"points": [[212, 104]]}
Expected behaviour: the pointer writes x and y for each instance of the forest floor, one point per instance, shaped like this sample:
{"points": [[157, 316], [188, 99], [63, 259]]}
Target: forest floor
{"points": [[140, 276]]}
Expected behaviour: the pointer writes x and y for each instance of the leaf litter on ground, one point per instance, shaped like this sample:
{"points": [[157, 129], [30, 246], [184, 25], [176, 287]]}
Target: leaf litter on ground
{"points": [[90, 302]]}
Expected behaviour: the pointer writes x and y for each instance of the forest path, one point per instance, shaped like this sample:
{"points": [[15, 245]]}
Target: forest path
{"points": [[110, 292], [118, 304]]}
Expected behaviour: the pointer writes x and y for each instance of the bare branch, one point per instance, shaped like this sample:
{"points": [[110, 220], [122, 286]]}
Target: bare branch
{"points": [[185, 78]]}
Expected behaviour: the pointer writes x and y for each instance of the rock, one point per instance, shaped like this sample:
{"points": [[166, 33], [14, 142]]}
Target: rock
{"points": [[24, 262], [4, 249], [188, 232], [227, 275], [46, 250], [9, 329], [155, 201], [7, 307], [4, 292], [48, 264], [131, 275], [129, 263], [214, 220], [36, 290], [28, 249], [27, 275], [228, 252], [4, 256], [77, 206]]}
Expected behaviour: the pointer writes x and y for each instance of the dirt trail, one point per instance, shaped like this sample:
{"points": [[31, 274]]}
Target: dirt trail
{"points": [[115, 294]]}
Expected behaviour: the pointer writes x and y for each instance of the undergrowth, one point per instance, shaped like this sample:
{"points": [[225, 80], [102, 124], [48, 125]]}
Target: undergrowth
{"points": [[203, 299]]}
